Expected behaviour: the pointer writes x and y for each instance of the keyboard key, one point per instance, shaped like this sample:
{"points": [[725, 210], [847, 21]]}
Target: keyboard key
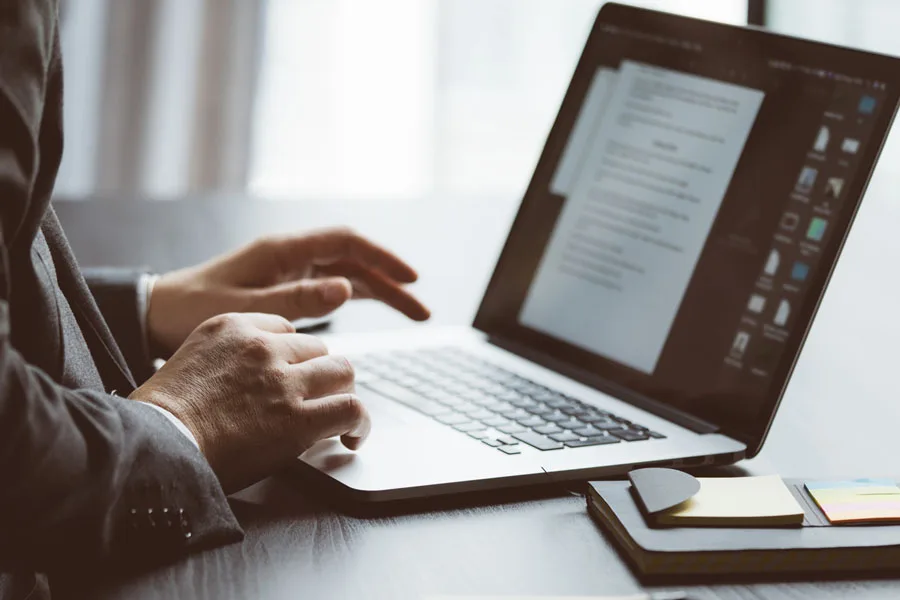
{"points": [[465, 407], [531, 421], [511, 428], [508, 395], [540, 410], [445, 398], [564, 436], [479, 434], [470, 426], [588, 431], [571, 423], [629, 436], [496, 421], [594, 417], [557, 403], [547, 396], [548, 428], [593, 441], [514, 413], [538, 441], [363, 375], [406, 397], [520, 401], [495, 406], [505, 439], [485, 401], [607, 425], [510, 449], [556, 417], [492, 442], [453, 419], [479, 414]]}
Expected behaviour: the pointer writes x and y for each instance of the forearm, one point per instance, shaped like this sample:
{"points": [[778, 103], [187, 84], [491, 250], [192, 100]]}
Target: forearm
{"points": [[91, 479]]}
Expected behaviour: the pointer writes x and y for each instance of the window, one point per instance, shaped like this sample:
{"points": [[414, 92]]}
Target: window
{"points": [[405, 99]]}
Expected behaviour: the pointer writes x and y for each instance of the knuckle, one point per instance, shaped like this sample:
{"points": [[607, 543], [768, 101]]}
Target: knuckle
{"points": [[257, 348], [344, 369], [220, 323], [275, 378]]}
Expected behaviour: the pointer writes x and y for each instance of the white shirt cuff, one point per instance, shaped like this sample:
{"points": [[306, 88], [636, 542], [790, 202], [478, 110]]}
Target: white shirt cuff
{"points": [[144, 291], [176, 422]]}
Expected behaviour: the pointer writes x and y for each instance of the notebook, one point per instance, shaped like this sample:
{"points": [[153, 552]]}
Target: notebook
{"points": [[815, 547]]}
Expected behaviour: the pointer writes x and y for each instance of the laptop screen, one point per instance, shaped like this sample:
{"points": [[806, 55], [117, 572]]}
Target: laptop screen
{"points": [[688, 209]]}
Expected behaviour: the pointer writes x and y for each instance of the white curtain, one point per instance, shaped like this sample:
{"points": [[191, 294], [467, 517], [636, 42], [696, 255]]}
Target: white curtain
{"points": [[405, 99], [159, 95], [398, 99]]}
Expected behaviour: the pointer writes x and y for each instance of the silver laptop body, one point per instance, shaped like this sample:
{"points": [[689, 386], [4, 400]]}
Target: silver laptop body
{"points": [[658, 282]]}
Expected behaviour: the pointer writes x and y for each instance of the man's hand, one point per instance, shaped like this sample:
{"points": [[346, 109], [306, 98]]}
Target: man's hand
{"points": [[294, 276], [256, 395]]}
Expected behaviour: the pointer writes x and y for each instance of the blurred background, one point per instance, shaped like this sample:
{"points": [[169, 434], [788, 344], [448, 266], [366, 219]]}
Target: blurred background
{"points": [[390, 99], [362, 99], [343, 99]]}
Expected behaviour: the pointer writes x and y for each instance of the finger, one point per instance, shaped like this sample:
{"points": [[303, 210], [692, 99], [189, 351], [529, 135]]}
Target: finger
{"points": [[296, 348], [374, 284], [305, 298], [322, 376], [340, 414], [328, 246], [269, 322]]}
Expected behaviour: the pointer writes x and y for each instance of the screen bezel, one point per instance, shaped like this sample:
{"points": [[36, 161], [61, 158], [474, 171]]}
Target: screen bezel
{"points": [[505, 328]]}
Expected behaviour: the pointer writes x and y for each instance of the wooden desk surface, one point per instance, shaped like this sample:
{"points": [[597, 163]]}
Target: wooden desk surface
{"points": [[839, 418]]}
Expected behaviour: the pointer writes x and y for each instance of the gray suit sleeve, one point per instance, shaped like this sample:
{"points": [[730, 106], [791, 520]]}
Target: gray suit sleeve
{"points": [[88, 479]]}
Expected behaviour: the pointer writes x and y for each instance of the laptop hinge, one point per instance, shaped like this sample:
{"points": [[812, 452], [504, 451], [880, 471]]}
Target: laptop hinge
{"points": [[679, 417]]}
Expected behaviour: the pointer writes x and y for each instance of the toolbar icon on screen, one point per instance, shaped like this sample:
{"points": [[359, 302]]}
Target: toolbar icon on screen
{"points": [[816, 229]]}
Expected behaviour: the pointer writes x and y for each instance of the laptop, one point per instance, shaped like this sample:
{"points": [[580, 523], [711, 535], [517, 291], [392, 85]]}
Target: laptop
{"points": [[659, 279]]}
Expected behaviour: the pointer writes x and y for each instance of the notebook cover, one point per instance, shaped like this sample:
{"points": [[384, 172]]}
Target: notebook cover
{"points": [[694, 550], [688, 539]]}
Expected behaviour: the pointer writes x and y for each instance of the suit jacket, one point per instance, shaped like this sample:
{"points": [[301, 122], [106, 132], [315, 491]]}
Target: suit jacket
{"points": [[88, 479]]}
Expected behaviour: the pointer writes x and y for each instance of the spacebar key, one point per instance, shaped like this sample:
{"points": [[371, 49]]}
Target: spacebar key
{"points": [[538, 441], [405, 397]]}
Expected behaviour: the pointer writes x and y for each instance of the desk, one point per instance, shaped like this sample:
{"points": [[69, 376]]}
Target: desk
{"points": [[839, 418]]}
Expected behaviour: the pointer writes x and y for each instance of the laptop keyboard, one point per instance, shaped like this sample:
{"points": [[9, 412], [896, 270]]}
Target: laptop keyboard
{"points": [[490, 404]]}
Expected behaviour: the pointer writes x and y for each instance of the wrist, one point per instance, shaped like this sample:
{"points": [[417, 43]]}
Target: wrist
{"points": [[173, 410], [160, 341], [178, 423]]}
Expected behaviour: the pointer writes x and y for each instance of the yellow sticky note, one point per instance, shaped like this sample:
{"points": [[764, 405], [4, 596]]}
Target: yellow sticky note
{"points": [[736, 502]]}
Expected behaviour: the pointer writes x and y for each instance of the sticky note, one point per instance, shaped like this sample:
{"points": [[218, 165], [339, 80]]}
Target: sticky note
{"points": [[737, 502], [858, 500]]}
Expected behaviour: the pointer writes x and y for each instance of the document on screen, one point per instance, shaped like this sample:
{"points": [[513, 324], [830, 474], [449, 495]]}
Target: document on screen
{"points": [[639, 211]]}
